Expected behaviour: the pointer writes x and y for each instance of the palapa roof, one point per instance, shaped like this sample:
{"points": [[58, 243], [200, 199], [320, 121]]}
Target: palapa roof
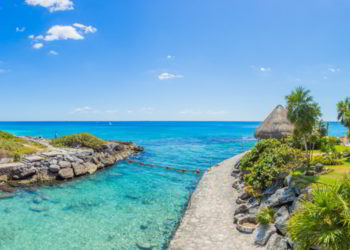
{"points": [[276, 125]]}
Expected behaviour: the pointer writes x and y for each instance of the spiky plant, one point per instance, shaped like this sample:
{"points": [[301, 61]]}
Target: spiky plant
{"points": [[343, 108], [324, 221]]}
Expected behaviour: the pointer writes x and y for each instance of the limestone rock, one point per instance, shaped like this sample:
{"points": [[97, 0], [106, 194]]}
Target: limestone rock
{"points": [[244, 196], [263, 234], [241, 209], [246, 224], [23, 173], [54, 168], [66, 173], [281, 219], [277, 242], [90, 167], [65, 164], [281, 196], [79, 169]]}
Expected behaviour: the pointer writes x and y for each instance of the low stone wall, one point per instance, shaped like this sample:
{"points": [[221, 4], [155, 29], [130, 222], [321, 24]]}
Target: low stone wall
{"points": [[59, 164]]}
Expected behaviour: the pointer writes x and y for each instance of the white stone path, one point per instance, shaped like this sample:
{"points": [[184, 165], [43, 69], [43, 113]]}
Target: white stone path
{"points": [[208, 222]]}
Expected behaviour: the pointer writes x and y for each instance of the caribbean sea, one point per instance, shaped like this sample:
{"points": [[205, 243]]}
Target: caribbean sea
{"points": [[125, 206]]}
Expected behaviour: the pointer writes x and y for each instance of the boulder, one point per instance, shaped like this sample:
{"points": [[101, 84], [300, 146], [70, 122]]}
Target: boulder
{"points": [[263, 234], [237, 217], [282, 215], [244, 196], [22, 173], [277, 242], [54, 168], [79, 169], [65, 164], [66, 173], [90, 167], [281, 197], [241, 209], [288, 181], [295, 206], [319, 167], [237, 164]]}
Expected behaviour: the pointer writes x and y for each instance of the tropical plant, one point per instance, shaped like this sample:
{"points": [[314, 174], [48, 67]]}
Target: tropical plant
{"points": [[343, 108], [325, 220], [266, 216], [267, 162], [304, 113]]}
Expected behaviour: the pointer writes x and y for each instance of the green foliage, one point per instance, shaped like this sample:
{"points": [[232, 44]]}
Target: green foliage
{"points": [[343, 108], [266, 216], [329, 160], [328, 144], [304, 113], [268, 161], [12, 146], [85, 140], [324, 221], [16, 157]]}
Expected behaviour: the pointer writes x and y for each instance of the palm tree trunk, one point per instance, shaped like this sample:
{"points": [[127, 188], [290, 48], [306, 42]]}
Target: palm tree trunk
{"points": [[307, 152]]}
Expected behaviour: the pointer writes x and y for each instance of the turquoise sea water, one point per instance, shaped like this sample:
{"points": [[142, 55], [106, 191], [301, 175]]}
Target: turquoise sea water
{"points": [[126, 206]]}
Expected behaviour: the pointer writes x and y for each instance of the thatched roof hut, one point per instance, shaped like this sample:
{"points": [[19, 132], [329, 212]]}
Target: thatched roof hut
{"points": [[276, 125]]}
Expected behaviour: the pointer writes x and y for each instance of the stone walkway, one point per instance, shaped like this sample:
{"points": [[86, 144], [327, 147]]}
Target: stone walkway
{"points": [[208, 222]]}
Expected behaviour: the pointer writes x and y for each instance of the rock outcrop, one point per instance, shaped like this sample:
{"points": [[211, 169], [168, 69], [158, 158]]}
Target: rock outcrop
{"points": [[59, 164]]}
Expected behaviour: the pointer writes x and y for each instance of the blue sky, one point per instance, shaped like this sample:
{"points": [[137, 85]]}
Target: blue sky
{"points": [[169, 60]]}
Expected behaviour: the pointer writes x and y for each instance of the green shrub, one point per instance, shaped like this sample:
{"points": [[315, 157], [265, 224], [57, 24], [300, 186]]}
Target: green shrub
{"points": [[85, 140], [324, 221], [17, 157], [329, 160], [269, 161], [266, 216]]}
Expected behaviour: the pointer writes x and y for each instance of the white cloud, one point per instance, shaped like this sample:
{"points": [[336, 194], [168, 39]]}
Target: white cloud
{"points": [[52, 5], [18, 29], [167, 76], [65, 32], [198, 112], [4, 71], [59, 32], [53, 52], [82, 110], [147, 110], [170, 57], [264, 69], [333, 70], [86, 29], [38, 45]]}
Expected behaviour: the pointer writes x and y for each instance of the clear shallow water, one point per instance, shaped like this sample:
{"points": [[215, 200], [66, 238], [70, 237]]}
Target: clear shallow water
{"points": [[127, 206]]}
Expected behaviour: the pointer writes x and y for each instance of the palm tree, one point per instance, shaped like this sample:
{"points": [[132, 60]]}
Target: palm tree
{"points": [[304, 113], [343, 108]]}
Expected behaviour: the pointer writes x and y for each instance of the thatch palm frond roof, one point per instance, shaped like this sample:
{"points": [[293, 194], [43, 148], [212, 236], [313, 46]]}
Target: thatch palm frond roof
{"points": [[276, 125]]}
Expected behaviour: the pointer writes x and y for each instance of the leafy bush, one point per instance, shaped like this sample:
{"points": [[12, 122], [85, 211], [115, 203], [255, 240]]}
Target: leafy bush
{"points": [[329, 160], [85, 140], [268, 161], [324, 221], [266, 216]]}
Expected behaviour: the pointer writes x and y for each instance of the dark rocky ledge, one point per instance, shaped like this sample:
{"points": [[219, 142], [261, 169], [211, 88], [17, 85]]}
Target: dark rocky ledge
{"points": [[55, 165]]}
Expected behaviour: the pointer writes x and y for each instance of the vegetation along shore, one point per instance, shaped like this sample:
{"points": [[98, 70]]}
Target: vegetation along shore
{"points": [[33, 161], [291, 191]]}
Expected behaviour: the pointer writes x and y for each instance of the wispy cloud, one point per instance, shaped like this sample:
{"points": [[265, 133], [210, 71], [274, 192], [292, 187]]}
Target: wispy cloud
{"points": [[167, 76], [333, 69], [38, 45], [199, 112], [18, 29], [147, 110], [82, 110], [261, 68], [4, 71], [53, 52], [52, 5], [170, 57]]}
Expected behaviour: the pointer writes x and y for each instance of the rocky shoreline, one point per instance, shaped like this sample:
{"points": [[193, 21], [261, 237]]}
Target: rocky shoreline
{"points": [[55, 165]]}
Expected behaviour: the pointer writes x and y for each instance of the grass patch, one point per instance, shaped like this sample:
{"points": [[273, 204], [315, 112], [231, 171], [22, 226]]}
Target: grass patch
{"points": [[81, 140], [12, 146]]}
